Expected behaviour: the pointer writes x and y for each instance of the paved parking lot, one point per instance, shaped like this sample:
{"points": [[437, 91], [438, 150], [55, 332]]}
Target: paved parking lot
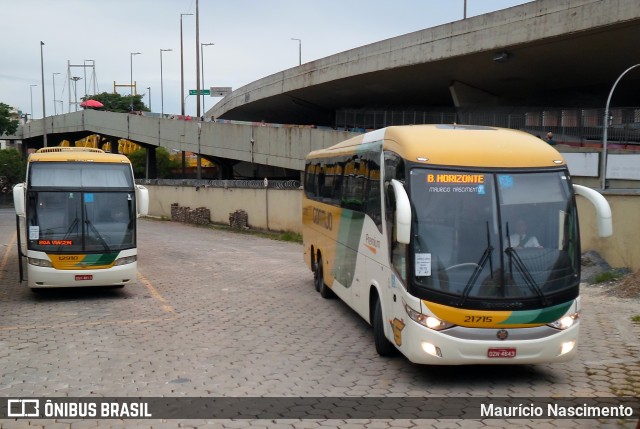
{"points": [[223, 314]]}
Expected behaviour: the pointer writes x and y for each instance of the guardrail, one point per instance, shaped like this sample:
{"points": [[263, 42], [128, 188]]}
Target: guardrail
{"points": [[569, 124], [246, 184]]}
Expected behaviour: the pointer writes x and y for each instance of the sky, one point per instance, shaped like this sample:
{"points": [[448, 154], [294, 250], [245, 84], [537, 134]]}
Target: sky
{"points": [[251, 39]]}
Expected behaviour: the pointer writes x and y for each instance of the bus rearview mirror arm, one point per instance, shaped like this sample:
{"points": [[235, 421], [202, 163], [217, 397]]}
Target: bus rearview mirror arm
{"points": [[603, 210], [403, 213]]}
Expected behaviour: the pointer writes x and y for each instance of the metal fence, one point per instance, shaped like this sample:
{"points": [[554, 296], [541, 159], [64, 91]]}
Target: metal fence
{"points": [[251, 184], [570, 125]]}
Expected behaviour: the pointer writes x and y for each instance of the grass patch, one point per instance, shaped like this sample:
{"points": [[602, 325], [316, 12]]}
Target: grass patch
{"points": [[607, 276], [289, 236], [636, 318]]}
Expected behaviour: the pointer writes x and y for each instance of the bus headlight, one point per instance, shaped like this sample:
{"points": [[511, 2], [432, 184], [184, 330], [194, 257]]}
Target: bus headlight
{"points": [[567, 347], [40, 262], [430, 322], [126, 260], [565, 322]]}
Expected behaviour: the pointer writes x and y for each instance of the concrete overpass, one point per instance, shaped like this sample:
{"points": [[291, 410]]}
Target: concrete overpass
{"points": [[544, 53], [250, 149]]}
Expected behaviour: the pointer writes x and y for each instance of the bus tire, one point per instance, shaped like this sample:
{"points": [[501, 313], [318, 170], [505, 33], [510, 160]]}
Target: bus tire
{"points": [[321, 287], [318, 279], [383, 346]]}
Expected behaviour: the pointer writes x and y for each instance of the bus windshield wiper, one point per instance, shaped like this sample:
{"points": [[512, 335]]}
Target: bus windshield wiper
{"points": [[73, 225], [98, 235], [95, 231], [524, 271], [486, 256]]}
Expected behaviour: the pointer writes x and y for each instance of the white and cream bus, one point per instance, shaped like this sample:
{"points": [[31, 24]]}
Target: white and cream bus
{"points": [[458, 244], [77, 214]]}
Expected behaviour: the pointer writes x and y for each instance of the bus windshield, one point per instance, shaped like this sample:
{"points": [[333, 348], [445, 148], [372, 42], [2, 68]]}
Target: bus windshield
{"points": [[493, 240], [89, 222]]}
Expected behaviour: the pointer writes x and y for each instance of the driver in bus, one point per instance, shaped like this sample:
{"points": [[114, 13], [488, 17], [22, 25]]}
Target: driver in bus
{"points": [[521, 238]]}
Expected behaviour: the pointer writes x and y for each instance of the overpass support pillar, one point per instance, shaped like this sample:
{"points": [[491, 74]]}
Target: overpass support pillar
{"points": [[151, 171]]}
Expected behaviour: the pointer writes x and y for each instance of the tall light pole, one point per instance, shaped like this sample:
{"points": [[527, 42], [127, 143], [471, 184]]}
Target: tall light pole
{"points": [[44, 111], [55, 111], [465, 9], [75, 80], [198, 67], [149, 88], [182, 66], [199, 160], [84, 66], [604, 128], [202, 45], [299, 50], [31, 93], [161, 81], [131, 62]]}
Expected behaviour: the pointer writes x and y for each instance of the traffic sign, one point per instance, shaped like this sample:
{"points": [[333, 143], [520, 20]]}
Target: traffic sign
{"points": [[220, 91], [202, 92]]}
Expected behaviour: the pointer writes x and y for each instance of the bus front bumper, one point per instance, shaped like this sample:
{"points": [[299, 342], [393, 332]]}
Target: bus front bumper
{"points": [[41, 277], [440, 348]]}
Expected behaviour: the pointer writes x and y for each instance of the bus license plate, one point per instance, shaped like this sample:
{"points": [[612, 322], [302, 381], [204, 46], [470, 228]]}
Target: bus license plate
{"points": [[502, 353], [84, 277]]}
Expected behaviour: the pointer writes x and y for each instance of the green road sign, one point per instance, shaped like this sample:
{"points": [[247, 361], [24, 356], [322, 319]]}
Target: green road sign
{"points": [[202, 92]]}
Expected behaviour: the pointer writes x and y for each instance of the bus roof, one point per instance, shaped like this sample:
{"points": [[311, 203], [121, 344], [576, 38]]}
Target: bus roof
{"points": [[455, 145], [77, 154]]}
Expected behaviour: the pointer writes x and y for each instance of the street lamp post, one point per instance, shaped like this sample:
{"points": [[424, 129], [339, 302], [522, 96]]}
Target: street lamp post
{"points": [[202, 45], [93, 75], [299, 50], [149, 88], [31, 93], [182, 66], [44, 110], [55, 111], [131, 63], [75, 80], [198, 67], [604, 127], [161, 81]]}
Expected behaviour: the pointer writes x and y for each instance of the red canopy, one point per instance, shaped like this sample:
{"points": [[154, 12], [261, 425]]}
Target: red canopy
{"points": [[91, 103]]}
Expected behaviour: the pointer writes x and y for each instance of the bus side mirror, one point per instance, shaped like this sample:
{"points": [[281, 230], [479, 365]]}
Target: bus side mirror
{"points": [[603, 210], [403, 213], [18, 199], [142, 198]]}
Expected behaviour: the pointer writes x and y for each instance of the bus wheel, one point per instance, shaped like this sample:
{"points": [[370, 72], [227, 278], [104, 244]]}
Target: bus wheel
{"points": [[383, 346], [317, 274], [321, 287]]}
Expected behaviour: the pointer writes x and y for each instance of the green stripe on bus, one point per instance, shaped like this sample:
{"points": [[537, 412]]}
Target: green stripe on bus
{"points": [[344, 267], [99, 259], [544, 315]]}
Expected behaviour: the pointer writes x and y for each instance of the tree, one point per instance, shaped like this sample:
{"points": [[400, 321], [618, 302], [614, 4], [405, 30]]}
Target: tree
{"points": [[119, 103], [7, 125], [164, 163], [13, 168]]}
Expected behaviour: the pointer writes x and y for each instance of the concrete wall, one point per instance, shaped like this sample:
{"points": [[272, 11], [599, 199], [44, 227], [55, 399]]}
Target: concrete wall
{"points": [[622, 249], [269, 209], [280, 210]]}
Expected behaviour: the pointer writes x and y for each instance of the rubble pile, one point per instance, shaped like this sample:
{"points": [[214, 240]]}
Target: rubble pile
{"points": [[200, 216], [239, 219]]}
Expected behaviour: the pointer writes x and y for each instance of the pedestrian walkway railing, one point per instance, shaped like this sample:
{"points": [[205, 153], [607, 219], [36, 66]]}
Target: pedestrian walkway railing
{"points": [[251, 184], [581, 125]]}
